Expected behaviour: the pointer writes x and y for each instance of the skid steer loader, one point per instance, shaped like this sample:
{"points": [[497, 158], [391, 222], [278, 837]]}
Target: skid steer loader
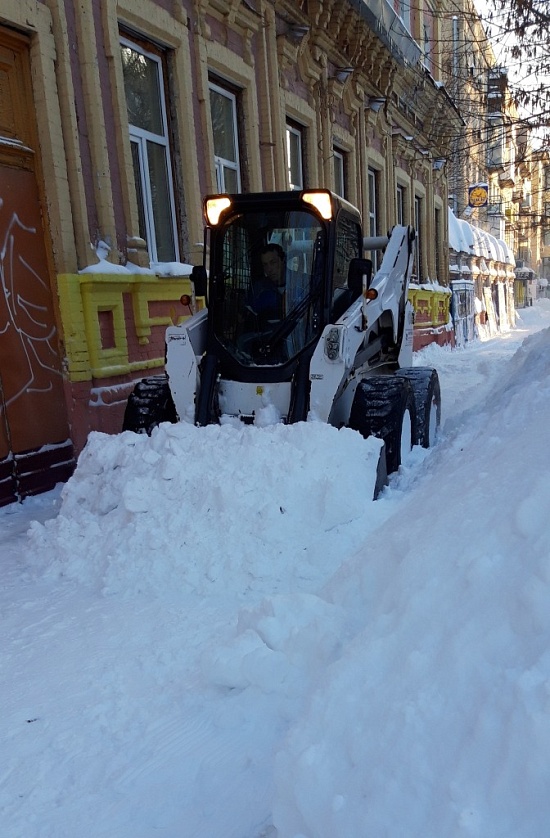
{"points": [[318, 336]]}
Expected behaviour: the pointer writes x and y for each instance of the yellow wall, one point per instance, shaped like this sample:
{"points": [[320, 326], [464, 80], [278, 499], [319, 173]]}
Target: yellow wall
{"points": [[83, 297], [432, 308]]}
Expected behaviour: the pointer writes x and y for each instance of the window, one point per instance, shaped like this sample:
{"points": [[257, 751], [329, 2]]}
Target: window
{"points": [[438, 218], [349, 245], [223, 111], [403, 9], [494, 204], [252, 303], [373, 212], [143, 73], [294, 157], [339, 173], [428, 45], [495, 144], [418, 272], [400, 204], [497, 82], [372, 203]]}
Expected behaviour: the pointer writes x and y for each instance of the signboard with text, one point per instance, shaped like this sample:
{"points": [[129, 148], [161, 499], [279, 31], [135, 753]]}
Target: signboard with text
{"points": [[478, 195]]}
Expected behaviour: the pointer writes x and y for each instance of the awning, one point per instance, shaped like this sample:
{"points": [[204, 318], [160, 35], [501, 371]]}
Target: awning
{"points": [[467, 238]]}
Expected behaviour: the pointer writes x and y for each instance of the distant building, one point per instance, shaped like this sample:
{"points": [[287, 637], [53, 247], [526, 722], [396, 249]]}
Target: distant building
{"points": [[490, 184]]}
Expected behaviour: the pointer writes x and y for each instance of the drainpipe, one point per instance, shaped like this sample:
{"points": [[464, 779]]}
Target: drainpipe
{"points": [[455, 54], [456, 161]]}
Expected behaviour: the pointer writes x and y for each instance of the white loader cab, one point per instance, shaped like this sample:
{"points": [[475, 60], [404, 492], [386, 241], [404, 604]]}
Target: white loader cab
{"points": [[297, 323]]}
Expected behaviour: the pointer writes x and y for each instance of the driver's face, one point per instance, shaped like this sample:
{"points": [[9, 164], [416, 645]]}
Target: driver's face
{"points": [[273, 266]]}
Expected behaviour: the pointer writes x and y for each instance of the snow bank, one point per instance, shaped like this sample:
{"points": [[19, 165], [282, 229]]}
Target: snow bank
{"points": [[191, 508], [285, 659], [416, 727]]}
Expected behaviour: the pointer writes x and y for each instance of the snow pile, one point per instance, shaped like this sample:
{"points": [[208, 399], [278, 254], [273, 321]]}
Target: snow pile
{"points": [[190, 508], [438, 713], [278, 656], [279, 646]]}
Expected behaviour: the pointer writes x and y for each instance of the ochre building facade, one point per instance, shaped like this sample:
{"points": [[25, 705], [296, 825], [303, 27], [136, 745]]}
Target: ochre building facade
{"points": [[116, 118]]}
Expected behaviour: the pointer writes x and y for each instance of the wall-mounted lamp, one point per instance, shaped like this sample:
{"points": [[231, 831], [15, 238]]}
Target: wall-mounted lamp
{"points": [[438, 163], [342, 73], [374, 103], [398, 132], [296, 31]]}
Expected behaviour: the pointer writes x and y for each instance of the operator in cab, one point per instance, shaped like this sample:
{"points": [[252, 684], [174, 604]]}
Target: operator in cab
{"points": [[267, 293], [276, 306]]}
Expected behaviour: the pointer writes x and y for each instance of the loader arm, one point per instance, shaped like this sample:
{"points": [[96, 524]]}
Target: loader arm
{"points": [[357, 343], [391, 281]]}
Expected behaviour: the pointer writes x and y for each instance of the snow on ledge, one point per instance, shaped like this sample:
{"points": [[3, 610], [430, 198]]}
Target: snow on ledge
{"points": [[103, 266]]}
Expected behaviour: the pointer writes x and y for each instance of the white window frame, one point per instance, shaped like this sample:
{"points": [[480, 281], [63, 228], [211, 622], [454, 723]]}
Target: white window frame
{"points": [[339, 172], [373, 202], [222, 163], [404, 12], [427, 47], [140, 137], [400, 197], [418, 241], [438, 230], [295, 179], [373, 175]]}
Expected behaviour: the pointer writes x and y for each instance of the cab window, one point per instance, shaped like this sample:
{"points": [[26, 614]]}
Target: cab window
{"points": [[349, 245]]}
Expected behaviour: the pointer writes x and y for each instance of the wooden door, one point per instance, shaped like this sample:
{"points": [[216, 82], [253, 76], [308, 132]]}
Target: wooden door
{"points": [[35, 446]]}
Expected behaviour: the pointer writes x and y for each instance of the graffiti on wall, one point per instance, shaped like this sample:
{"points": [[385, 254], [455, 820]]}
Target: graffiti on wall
{"points": [[32, 397], [26, 324]]}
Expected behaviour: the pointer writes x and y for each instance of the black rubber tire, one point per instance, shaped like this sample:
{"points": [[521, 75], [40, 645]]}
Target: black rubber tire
{"points": [[379, 409], [427, 397], [149, 404]]}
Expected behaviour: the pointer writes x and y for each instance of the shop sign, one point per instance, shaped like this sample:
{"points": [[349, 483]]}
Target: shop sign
{"points": [[478, 195]]}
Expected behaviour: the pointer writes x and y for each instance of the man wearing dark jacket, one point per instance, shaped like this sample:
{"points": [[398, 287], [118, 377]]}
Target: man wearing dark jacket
{"points": [[267, 295]]}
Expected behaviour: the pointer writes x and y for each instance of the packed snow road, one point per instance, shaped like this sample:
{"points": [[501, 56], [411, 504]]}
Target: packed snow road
{"points": [[214, 633]]}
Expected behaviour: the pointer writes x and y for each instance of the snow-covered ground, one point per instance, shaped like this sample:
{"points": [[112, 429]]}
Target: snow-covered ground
{"points": [[214, 633]]}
